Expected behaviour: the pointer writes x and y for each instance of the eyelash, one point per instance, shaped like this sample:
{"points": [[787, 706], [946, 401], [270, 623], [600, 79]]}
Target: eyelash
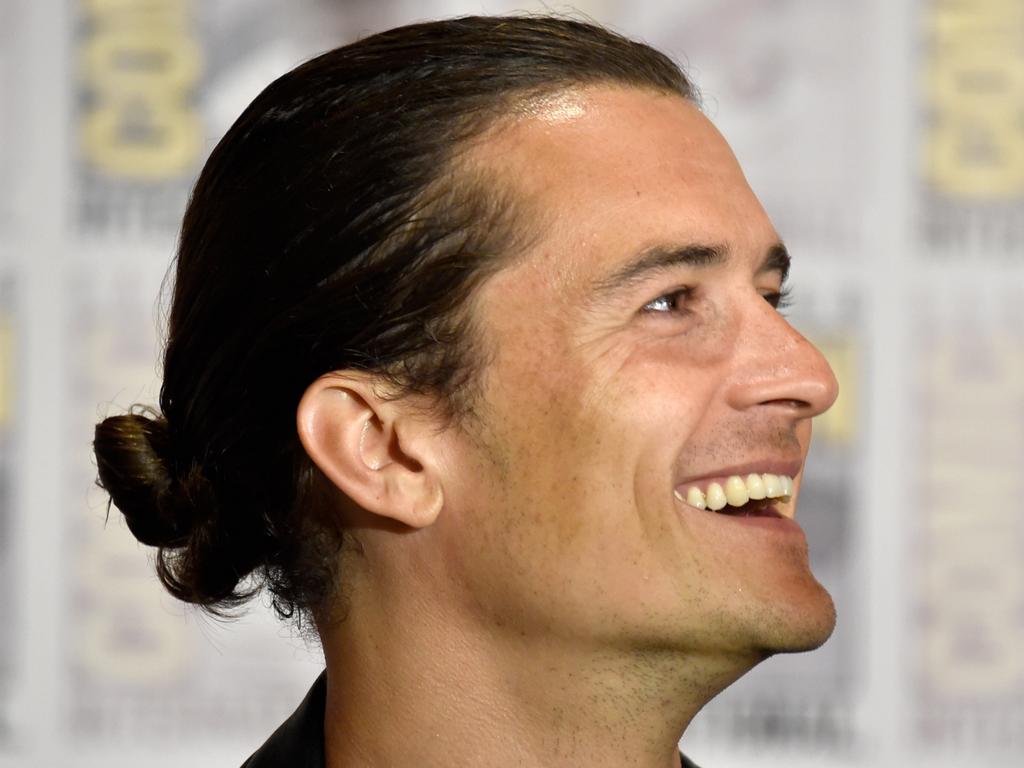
{"points": [[778, 299]]}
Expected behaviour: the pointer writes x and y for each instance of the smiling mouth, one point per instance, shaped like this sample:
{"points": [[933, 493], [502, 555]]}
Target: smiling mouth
{"points": [[755, 495]]}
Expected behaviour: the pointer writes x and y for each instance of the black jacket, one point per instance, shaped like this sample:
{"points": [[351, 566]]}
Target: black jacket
{"points": [[299, 742]]}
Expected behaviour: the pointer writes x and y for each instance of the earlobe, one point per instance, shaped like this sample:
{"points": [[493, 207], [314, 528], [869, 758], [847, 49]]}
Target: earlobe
{"points": [[370, 447]]}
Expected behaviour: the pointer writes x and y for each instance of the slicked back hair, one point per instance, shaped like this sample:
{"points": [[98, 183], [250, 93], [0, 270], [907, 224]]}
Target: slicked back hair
{"points": [[333, 227]]}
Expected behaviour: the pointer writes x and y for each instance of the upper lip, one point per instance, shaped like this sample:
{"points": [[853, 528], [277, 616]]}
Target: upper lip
{"points": [[774, 466]]}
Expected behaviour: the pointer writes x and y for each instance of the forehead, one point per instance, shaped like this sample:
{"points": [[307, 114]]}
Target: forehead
{"points": [[613, 170]]}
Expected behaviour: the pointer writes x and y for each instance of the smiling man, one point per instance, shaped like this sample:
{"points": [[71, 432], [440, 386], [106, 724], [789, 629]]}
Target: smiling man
{"points": [[476, 362]]}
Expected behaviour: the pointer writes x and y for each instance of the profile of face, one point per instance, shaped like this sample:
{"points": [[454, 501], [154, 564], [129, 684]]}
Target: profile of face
{"points": [[634, 351], [624, 368]]}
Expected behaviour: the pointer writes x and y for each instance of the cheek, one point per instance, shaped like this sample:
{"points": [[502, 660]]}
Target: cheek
{"points": [[569, 430], [569, 484], [659, 398], [576, 442]]}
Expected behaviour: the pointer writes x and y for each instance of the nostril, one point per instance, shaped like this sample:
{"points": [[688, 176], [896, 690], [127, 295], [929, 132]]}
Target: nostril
{"points": [[797, 405]]}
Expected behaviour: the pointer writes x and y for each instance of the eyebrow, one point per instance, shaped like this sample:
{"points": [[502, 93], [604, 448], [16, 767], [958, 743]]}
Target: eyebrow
{"points": [[661, 258], [776, 260]]}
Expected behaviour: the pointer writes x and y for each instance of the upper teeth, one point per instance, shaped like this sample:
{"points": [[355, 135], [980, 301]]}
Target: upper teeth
{"points": [[737, 491]]}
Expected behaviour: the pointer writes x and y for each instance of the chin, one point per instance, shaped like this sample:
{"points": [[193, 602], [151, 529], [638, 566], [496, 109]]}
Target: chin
{"points": [[801, 625]]}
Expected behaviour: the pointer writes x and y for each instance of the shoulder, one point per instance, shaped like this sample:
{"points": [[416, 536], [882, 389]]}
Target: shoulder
{"points": [[299, 741]]}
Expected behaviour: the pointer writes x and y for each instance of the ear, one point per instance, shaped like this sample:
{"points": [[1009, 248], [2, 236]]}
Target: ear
{"points": [[375, 450]]}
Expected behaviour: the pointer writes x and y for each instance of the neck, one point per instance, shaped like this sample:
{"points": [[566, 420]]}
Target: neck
{"points": [[421, 687]]}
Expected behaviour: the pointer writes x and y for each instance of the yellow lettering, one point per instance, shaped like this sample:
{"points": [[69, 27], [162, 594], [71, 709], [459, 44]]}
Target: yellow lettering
{"points": [[973, 578], [130, 61], [974, 81], [172, 140], [974, 646], [125, 634], [140, 63], [839, 423]]}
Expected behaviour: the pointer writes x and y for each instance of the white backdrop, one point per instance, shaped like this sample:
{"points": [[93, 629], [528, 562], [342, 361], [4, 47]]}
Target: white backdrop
{"points": [[887, 142]]}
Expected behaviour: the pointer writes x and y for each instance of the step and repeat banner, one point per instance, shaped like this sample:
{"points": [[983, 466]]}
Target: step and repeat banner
{"points": [[886, 142], [11, 24], [965, 545]]}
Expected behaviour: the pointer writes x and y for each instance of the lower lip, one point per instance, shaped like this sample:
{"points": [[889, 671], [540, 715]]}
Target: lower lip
{"points": [[768, 522]]}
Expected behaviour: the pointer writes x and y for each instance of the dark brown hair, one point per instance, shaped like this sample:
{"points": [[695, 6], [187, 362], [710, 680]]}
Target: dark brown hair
{"points": [[333, 227]]}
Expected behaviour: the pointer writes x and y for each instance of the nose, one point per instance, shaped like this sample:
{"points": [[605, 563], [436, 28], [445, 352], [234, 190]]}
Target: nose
{"points": [[776, 367]]}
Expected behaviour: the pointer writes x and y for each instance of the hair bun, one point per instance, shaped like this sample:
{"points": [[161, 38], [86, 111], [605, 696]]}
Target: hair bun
{"points": [[135, 468]]}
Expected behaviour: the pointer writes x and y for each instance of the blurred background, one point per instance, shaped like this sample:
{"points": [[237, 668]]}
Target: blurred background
{"points": [[886, 140]]}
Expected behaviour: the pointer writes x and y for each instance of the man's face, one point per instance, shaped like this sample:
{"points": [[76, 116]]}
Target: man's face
{"points": [[635, 351]]}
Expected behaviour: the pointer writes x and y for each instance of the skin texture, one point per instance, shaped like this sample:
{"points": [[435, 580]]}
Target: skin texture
{"points": [[527, 590]]}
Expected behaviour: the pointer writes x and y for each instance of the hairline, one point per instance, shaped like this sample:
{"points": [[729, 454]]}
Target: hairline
{"points": [[460, 180]]}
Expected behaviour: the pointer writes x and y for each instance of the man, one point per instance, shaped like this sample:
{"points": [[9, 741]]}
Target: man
{"points": [[602, 537]]}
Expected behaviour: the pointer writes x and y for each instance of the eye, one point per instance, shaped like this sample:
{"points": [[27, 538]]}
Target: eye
{"points": [[779, 299], [668, 303]]}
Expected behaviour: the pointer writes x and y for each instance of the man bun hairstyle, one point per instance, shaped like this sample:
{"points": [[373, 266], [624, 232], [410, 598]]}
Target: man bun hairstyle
{"points": [[166, 508], [336, 226]]}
